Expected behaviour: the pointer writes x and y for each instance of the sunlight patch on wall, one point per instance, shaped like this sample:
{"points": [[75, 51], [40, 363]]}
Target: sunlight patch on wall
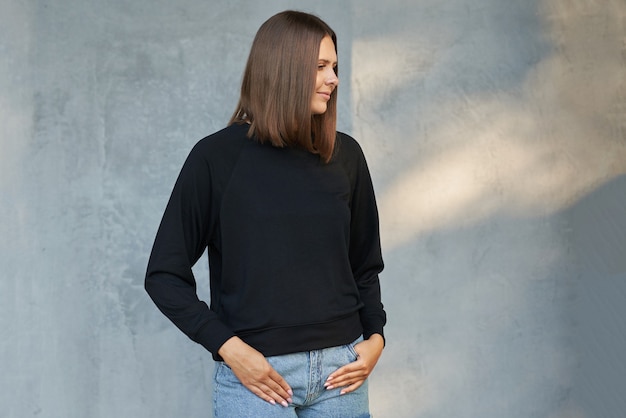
{"points": [[463, 153], [510, 166]]}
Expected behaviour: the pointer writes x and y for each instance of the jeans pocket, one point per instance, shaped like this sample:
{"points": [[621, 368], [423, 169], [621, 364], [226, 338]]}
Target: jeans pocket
{"points": [[353, 352], [351, 349]]}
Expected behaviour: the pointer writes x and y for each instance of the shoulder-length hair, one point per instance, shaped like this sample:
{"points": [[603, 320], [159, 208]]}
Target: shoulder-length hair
{"points": [[279, 82]]}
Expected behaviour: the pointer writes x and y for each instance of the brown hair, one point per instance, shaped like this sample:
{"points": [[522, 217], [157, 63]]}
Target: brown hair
{"points": [[278, 84]]}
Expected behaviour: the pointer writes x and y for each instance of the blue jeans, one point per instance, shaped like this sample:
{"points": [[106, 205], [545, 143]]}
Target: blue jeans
{"points": [[306, 373]]}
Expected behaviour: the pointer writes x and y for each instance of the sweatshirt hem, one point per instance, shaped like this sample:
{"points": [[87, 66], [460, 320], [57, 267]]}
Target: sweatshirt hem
{"points": [[305, 337]]}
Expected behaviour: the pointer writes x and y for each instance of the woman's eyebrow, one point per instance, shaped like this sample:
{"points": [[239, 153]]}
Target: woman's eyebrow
{"points": [[326, 61]]}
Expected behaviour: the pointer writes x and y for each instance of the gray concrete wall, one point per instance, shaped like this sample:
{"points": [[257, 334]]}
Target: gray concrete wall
{"points": [[496, 136]]}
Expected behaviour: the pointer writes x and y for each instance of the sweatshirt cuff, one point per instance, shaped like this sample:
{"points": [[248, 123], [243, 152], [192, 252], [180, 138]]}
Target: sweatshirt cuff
{"points": [[368, 334], [212, 336]]}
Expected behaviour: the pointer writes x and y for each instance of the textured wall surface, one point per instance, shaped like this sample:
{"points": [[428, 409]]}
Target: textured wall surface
{"points": [[496, 136]]}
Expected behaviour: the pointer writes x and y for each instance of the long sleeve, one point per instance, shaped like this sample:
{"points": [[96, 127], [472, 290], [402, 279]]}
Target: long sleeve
{"points": [[365, 250], [181, 239]]}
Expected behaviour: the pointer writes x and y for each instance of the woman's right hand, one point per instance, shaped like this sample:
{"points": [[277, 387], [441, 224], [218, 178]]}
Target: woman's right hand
{"points": [[255, 373]]}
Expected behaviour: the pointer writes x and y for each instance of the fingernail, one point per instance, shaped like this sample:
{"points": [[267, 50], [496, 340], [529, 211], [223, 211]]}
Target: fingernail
{"points": [[329, 387], [290, 392], [284, 403], [273, 402]]}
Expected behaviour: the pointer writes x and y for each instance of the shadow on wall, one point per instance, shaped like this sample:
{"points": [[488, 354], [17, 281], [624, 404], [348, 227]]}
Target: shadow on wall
{"points": [[599, 245]]}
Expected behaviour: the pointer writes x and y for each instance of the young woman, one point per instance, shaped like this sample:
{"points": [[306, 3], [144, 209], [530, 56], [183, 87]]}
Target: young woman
{"points": [[285, 206]]}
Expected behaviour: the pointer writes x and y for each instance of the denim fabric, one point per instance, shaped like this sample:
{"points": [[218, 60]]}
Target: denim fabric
{"points": [[306, 373]]}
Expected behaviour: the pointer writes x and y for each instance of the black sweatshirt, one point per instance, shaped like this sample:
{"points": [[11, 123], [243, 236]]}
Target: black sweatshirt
{"points": [[293, 245]]}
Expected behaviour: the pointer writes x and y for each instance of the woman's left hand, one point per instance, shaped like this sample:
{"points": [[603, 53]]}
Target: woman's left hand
{"points": [[351, 376]]}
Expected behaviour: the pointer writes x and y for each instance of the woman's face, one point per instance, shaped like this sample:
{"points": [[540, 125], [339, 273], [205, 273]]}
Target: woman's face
{"points": [[326, 80]]}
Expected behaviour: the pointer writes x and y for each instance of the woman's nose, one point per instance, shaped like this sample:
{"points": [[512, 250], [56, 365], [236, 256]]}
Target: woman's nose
{"points": [[332, 79]]}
